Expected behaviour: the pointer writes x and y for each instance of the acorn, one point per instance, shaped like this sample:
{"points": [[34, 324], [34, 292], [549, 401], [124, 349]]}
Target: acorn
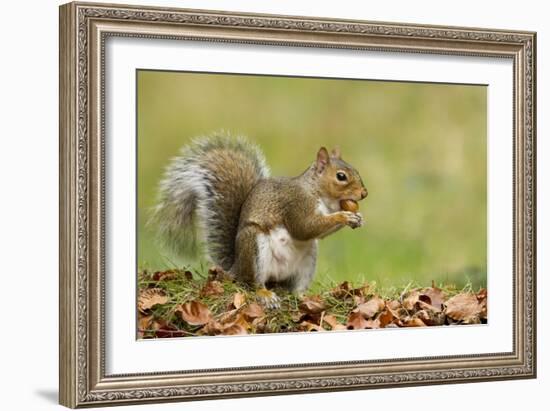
{"points": [[349, 205]]}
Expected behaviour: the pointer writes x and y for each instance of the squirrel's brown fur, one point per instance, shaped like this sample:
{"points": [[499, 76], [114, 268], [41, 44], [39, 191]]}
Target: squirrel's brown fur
{"points": [[260, 229]]}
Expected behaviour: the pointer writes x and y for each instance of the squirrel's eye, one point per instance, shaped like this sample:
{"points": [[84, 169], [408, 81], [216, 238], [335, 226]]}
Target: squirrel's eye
{"points": [[341, 176]]}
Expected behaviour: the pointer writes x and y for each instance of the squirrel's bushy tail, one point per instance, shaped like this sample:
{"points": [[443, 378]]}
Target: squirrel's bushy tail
{"points": [[201, 196]]}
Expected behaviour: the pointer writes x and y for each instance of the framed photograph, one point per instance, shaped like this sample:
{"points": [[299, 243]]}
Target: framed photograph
{"points": [[260, 204]]}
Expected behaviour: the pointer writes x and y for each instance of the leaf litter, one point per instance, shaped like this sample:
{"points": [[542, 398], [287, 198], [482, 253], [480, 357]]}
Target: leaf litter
{"points": [[176, 303]]}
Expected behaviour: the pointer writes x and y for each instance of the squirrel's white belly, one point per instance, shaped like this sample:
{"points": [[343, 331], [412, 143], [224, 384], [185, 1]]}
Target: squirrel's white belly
{"points": [[280, 256]]}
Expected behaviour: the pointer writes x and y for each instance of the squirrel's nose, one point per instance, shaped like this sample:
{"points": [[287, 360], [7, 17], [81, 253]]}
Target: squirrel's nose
{"points": [[364, 193]]}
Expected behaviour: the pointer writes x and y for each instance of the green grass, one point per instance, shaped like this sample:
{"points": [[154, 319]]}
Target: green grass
{"points": [[420, 148]]}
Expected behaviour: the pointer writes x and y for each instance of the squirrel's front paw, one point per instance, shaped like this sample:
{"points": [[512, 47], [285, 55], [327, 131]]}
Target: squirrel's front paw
{"points": [[354, 220], [268, 298]]}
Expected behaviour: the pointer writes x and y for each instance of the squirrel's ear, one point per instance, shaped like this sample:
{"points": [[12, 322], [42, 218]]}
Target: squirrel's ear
{"points": [[322, 159], [335, 153]]}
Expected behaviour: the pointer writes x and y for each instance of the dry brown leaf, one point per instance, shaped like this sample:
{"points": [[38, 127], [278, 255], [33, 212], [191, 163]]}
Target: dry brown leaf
{"points": [[421, 305], [164, 275], [414, 322], [312, 305], [259, 324], [239, 300], [218, 273], [361, 291], [482, 294], [242, 320], [238, 326], [431, 317], [356, 321], [371, 307], [341, 290], [234, 329], [308, 326], [409, 302], [387, 317], [145, 323], [333, 322], [297, 316], [167, 330], [213, 327], [194, 313], [472, 320], [252, 311], [358, 299], [437, 296], [227, 317], [212, 287], [393, 305], [150, 297], [372, 324], [482, 300], [463, 307]]}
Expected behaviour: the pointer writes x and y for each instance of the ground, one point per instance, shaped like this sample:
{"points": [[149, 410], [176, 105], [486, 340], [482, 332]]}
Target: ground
{"points": [[184, 303]]}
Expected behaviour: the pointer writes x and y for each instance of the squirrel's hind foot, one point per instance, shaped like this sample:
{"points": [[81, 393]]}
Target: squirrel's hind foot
{"points": [[268, 299]]}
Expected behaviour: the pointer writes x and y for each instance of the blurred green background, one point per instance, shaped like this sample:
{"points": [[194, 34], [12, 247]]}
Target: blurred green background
{"points": [[420, 148]]}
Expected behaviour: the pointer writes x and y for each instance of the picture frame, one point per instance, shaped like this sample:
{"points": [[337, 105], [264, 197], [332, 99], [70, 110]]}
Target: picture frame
{"points": [[85, 28]]}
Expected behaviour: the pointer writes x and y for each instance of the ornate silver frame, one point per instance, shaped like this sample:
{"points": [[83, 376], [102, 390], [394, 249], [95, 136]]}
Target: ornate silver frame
{"points": [[83, 30]]}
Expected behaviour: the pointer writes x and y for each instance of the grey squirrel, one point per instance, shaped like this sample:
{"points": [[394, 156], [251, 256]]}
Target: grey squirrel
{"points": [[217, 197]]}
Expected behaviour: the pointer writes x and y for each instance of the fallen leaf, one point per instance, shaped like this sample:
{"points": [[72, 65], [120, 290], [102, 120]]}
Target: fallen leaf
{"points": [[212, 287], [371, 307], [239, 300], [482, 294], [259, 324], [234, 329], [409, 302], [361, 291], [218, 273], [227, 317], [308, 326], [333, 323], [356, 321], [386, 317], [372, 324], [482, 300], [341, 290], [213, 327], [422, 305], [393, 305], [164, 275], [437, 296], [242, 320], [414, 322], [311, 305], [238, 326], [252, 311], [167, 330], [358, 299], [145, 324], [194, 313], [431, 317], [150, 297], [472, 320], [145, 321], [463, 307]]}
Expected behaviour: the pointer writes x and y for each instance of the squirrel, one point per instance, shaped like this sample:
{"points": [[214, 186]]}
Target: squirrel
{"points": [[218, 198]]}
